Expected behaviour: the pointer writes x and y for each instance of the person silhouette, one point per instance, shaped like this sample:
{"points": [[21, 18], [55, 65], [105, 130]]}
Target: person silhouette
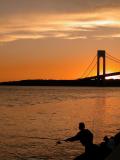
{"points": [[85, 137]]}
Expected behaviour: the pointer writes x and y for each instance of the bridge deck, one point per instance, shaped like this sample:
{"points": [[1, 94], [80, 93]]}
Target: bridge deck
{"points": [[106, 75]]}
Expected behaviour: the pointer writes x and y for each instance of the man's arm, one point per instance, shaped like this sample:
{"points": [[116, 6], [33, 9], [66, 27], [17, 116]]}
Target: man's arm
{"points": [[74, 138]]}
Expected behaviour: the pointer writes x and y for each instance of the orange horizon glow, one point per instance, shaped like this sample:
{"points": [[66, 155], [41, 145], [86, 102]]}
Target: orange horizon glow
{"points": [[46, 43]]}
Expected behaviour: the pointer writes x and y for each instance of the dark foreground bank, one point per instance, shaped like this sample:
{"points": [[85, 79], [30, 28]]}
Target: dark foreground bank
{"points": [[109, 149], [115, 155]]}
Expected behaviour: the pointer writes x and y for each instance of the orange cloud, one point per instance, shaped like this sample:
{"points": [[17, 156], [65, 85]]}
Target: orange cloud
{"points": [[69, 26]]}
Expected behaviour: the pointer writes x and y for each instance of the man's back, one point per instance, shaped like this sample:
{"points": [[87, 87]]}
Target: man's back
{"points": [[85, 137]]}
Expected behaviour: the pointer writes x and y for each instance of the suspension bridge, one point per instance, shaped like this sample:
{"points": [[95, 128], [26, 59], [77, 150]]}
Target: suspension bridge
{"points": [[87, 79], [97, 64]]}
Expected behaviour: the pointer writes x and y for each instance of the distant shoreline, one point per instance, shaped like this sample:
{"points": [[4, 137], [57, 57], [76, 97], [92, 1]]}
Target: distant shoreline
{"points": [[80, 82]]}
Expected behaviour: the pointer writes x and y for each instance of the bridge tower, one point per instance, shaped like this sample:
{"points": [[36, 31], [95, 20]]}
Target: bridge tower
{"points": [[101, 54]]}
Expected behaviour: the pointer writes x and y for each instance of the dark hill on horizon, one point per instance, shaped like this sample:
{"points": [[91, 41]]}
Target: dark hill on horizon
{"points": [[79, 82]]}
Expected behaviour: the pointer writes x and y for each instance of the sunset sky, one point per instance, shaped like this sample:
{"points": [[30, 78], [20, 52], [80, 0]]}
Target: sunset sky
{"points": [[56, 39]]}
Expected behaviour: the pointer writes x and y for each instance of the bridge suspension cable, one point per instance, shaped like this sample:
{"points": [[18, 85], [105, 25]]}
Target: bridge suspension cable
{"points": [[113, 58], [91, 70], [89, 66]]}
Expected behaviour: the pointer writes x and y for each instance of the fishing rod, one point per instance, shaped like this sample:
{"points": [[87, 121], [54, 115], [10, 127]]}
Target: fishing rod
{"points": [[54, 139]]}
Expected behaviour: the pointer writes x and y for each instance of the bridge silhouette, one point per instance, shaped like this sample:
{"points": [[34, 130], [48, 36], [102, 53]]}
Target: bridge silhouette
{"points": [[86, 79], [101, 54]]}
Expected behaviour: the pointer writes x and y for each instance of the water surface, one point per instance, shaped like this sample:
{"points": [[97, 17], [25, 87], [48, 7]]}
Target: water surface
{"points": [[32, 119]]}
